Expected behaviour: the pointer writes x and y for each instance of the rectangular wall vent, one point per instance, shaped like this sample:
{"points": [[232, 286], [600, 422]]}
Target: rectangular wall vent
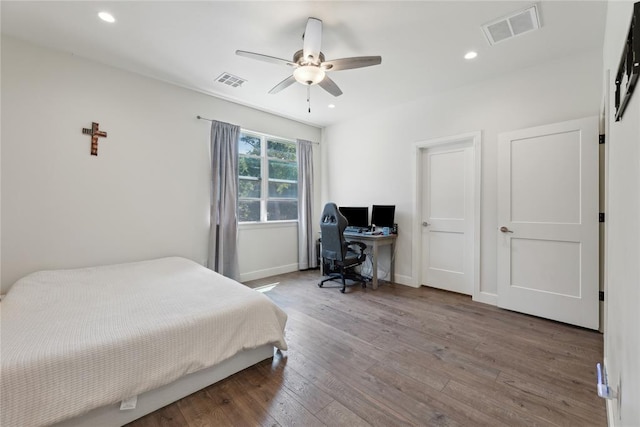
{"points": [[230, 80], [515, 24]]}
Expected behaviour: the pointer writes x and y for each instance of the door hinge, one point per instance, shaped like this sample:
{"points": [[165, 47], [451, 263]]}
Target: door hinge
{"points": [[601, 139], [601, 217], [601, 295]]}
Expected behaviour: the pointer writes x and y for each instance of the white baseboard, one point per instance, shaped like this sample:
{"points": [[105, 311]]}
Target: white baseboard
{"points": [[486, 298], [611, 404], [401, 279], [274, 271], [483, 297]]}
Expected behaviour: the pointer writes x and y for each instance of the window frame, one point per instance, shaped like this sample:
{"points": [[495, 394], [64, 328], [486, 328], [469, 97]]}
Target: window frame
{"points": [[264, 176]]}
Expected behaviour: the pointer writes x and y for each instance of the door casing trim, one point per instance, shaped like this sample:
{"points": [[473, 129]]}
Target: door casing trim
{"points": [[476, 143]]}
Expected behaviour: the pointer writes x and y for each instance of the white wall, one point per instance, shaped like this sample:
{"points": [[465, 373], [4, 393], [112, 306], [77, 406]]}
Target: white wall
{"points": [[622, 299], [262, 251], [370, 160], [145, 195]]}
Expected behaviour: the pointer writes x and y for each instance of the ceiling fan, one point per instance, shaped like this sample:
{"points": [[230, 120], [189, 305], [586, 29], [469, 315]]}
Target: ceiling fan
{"points": [[309, 65]]}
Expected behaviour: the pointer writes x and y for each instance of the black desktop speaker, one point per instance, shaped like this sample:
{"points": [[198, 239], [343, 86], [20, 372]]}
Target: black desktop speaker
{"points": [[394, 230]]}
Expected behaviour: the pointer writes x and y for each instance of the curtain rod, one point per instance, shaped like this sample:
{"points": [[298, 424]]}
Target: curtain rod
{"points": [[248, 130]]}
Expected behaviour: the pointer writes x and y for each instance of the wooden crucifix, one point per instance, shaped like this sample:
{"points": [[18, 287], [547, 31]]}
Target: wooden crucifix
{"points": [[95, 133]]}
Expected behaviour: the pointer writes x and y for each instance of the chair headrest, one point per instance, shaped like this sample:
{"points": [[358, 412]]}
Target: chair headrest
{"points": [[330, 213]]}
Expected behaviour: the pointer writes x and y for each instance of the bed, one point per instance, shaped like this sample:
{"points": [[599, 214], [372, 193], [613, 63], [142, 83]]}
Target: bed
{"points": [[75, 343]]}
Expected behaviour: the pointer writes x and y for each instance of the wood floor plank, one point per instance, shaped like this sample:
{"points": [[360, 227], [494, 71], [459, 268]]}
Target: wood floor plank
{"points": [[447, 411], [449, 360], [276, 399], [336, 414], [432, 377], [389, 317], [402, 356], [199, 410], [546, 411], [169, 416], [239, 408], [334, 343], [303, 390], [356, 399], [577, 383], [589, 408], [494, 406]]}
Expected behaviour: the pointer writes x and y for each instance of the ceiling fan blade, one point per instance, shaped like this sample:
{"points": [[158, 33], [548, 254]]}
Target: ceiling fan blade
{"points": [[265, 58], [312, 41], [350, 63], [330, 86], [283, 84]]}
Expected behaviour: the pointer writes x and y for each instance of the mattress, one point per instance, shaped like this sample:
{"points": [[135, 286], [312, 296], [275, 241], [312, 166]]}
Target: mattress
{"points": [[74, 340]]}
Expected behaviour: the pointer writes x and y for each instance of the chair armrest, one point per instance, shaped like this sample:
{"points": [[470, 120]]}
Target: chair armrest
{"points": [[361, 245]]}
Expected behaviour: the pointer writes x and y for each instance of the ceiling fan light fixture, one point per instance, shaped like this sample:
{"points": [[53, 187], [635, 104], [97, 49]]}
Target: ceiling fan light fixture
{"points": [[309, 66], [309, 74]]}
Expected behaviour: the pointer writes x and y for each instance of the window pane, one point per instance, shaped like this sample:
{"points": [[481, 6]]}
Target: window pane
{"points": [[248, 210], [249, 144], [283, 170], [282, 210], [249, 188], [284, 190], [249, 166], [281, 150]]}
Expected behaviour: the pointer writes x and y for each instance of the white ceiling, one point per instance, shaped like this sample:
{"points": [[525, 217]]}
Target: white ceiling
{"points": [[422, 44]]}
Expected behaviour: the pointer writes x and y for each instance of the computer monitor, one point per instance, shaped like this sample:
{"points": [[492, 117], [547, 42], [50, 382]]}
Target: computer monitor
{"points": [[383, 215], [356, 216]]}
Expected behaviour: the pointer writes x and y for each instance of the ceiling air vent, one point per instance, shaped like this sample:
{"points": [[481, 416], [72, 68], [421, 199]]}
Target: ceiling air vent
{"points": [[512, 25], [230, 80]]}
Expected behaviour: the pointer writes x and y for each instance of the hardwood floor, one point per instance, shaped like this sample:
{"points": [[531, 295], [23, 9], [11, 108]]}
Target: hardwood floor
{"points": [[400, 356]]}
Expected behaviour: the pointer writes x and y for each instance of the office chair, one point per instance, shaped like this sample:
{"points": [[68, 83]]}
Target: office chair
{"points": [[342, 256]]}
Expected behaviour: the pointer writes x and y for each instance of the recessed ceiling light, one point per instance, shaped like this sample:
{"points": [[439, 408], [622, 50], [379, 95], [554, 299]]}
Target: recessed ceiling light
{"points": [[106, 17], [470, 55], [331, 106]]}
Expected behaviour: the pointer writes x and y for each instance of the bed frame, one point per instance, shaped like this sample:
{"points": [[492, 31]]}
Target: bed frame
{"points": [[112, 416]]}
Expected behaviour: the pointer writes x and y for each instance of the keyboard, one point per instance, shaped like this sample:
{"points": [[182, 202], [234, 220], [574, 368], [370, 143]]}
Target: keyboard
{"points": [[354, 229]]}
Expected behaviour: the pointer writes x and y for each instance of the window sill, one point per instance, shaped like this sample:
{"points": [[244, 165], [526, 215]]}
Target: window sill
{"points": [[270, 224]]}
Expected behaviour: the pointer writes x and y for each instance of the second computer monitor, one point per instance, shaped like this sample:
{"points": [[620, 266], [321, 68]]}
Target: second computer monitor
{"points": [[356, 216], [383, 215]]}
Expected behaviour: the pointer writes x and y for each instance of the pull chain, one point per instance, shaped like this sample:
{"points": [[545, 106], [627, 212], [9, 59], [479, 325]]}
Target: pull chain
{"points": [[309, 97]]}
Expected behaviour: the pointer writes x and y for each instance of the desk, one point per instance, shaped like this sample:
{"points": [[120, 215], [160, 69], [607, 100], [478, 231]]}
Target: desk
{"points": [[375, 241]]}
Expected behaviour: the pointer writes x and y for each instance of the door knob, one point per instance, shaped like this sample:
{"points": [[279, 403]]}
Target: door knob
{"points": [[505, 229], [425, 224]]}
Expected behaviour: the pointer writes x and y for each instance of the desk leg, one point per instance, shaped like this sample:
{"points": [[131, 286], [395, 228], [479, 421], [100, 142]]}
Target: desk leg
{"points": [[393, 261], [374, 263]]}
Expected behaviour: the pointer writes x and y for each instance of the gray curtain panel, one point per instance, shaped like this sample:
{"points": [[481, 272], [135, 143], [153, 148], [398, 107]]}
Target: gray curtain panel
{"points": [[223, 250], [306, 241]]}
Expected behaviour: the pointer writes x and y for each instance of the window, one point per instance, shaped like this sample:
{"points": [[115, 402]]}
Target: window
{"points": [[268, 178]]}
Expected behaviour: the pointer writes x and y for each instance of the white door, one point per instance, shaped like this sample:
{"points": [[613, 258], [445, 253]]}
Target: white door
{"points": [[448, 217], [548, 221]]}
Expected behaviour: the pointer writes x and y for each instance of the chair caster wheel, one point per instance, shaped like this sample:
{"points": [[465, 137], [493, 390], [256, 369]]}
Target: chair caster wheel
{"points": [[319, 285], [364, 286], [342, 290]]}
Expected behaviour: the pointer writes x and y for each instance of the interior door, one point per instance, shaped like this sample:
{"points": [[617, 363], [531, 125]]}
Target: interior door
{"points": [[447, 224], [548, 221]]}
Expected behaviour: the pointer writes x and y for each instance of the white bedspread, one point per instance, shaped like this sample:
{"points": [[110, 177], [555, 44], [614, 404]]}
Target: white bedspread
{"points": [[74, 340]]}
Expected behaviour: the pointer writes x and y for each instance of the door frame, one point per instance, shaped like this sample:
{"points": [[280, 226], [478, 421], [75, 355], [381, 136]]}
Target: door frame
{"points": [[419, 147], [604, 198]]}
